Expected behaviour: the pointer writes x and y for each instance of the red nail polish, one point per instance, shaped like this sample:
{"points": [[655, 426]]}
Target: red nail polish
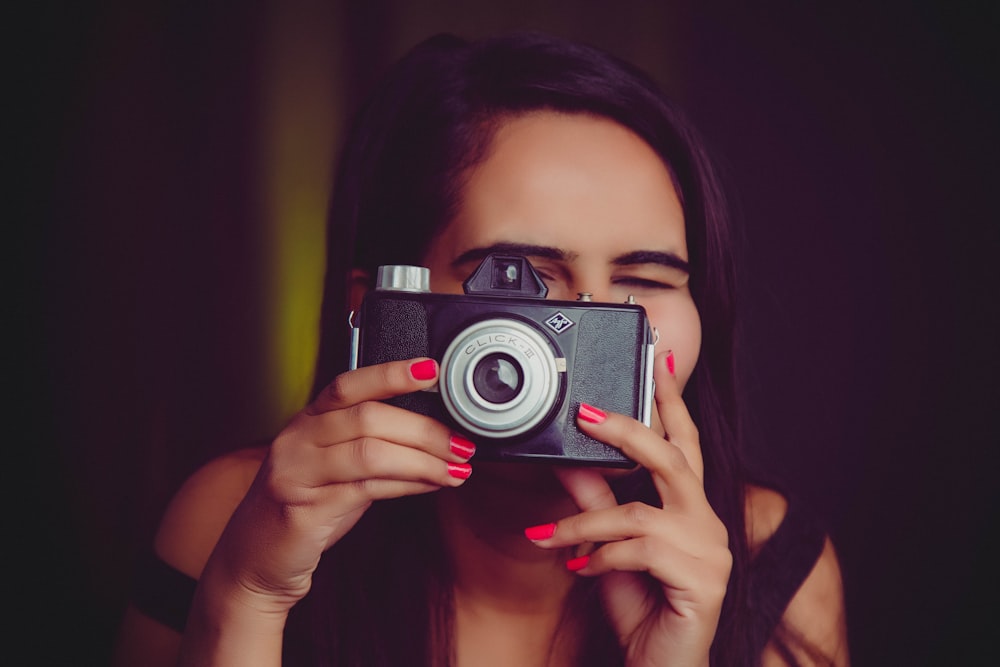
{"points": [[424, 370], [460, 470], [462, 447], [589, 413], [670, 362], [576, 564], [543, 532]]}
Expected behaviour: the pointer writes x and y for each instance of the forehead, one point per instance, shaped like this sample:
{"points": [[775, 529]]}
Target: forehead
{"points": [[573, 181]]}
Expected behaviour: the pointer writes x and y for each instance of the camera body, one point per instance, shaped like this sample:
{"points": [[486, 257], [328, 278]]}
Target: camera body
{"points": [[514, 366]]}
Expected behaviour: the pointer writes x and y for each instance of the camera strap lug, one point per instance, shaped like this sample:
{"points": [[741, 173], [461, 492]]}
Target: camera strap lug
{"points": [[355, 342]]}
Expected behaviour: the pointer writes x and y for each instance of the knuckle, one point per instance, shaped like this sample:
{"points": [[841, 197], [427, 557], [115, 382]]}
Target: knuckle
{"points": [[336, 391], [726, 561], [386, 375], [722, 535], [672, 401], [717, 589], [689, 432], [433, 432], [634, 429], [674, 459], [639, 515], [282, 489], [724, 567], [360, 490], [283, 443], [365, 415], [363, 455]]}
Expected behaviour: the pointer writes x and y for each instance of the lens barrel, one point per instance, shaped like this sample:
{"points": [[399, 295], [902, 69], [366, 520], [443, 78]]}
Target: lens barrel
{"points": [[499, 378]]}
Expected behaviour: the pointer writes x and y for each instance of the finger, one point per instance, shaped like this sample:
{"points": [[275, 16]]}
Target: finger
{"points": [[375, 383], [600, 525], [386, 422], [666, 562], [674, 415], [385, 489], [696, 582], [672, 475], [587, 487], [355, 473], [372, 458]]}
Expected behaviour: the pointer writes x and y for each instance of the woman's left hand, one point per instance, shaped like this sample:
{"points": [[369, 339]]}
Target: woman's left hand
{"points": [[664, 571]]}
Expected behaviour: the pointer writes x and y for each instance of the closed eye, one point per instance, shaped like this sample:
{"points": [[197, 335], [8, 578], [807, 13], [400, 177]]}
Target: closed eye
{"points": [[549, 273], [644, 283], [544, 275]]}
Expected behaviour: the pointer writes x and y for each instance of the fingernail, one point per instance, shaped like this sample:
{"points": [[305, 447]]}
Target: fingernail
{"points": [[589, 413], [462, 447], [670, 362], [575, 564], [543, 532], [424, 370], [459, 470]]}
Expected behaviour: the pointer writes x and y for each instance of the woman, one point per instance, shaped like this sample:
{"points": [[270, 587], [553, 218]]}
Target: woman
{"points": [[361, 536]]}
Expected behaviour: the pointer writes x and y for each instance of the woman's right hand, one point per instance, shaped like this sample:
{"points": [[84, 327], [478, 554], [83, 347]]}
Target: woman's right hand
{"points": [[341, 453]]}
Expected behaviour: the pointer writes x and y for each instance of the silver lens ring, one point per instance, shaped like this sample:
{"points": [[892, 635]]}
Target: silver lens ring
{"points": [[527, 349], [472, 391]]}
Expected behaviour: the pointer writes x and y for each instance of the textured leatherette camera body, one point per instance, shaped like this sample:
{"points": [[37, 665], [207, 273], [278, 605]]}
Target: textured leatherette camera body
{"points": [[607, 352]]}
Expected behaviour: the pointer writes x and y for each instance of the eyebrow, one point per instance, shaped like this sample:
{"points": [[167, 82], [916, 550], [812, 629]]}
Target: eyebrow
{"points": [[636, 257], [667, 259]]}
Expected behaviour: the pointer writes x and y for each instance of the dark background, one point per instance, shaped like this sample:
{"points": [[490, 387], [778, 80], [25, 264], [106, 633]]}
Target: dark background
{"points": [[861, 149]]}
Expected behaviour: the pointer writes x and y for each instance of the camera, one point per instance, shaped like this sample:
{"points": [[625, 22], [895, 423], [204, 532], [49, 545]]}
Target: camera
{"points": [[514, 366]]}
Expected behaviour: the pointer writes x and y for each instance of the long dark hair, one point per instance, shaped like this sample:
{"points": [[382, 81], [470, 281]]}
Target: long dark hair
{"points": [[399, 180]]}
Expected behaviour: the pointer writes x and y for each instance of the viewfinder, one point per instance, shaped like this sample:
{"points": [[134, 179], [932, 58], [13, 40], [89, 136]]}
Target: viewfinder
{"points": [[506, 275]]}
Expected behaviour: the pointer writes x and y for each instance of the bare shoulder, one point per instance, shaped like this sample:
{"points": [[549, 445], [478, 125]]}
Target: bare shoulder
{"points": [[200, 510], [191, 526], [814, 624], [765, 510]]}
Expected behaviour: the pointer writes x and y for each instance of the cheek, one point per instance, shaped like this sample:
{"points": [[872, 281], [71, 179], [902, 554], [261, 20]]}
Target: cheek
{"points": [[679, 326]]}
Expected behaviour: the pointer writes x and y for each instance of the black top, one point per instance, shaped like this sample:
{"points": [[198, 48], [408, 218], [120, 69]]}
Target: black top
{"points": [[776, 573]]}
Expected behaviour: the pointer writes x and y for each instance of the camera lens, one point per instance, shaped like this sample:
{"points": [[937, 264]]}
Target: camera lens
{"points": [[498, 378]]}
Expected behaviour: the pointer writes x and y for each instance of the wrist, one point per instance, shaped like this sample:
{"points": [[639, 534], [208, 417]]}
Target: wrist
{"points": [[232, 625]]}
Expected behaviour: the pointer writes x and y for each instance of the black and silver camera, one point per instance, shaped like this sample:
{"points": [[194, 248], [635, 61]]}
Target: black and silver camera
{"points": [[514, 366]]}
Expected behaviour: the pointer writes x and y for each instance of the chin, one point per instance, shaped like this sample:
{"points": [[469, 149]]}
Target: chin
{"points": [[534, 477], [531, 492], [522, 476]]}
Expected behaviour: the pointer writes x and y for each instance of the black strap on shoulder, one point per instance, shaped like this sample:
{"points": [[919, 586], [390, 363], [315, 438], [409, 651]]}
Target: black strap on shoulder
{"points": [[780, 568], [777, 572], [162, 592]]}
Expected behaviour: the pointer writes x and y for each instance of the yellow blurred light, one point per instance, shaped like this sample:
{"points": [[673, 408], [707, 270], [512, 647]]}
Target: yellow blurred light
{"points": [[301, 121]]}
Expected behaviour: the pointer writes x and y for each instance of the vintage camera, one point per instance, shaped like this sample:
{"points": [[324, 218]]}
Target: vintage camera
{"points": [[514, 366]]}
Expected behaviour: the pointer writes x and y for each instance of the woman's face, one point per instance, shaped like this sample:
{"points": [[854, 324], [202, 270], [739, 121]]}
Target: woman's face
{"points": [[593, 208]]}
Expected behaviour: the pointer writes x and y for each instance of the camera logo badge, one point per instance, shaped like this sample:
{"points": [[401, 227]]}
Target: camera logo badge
{"points": [[559, 323]]}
